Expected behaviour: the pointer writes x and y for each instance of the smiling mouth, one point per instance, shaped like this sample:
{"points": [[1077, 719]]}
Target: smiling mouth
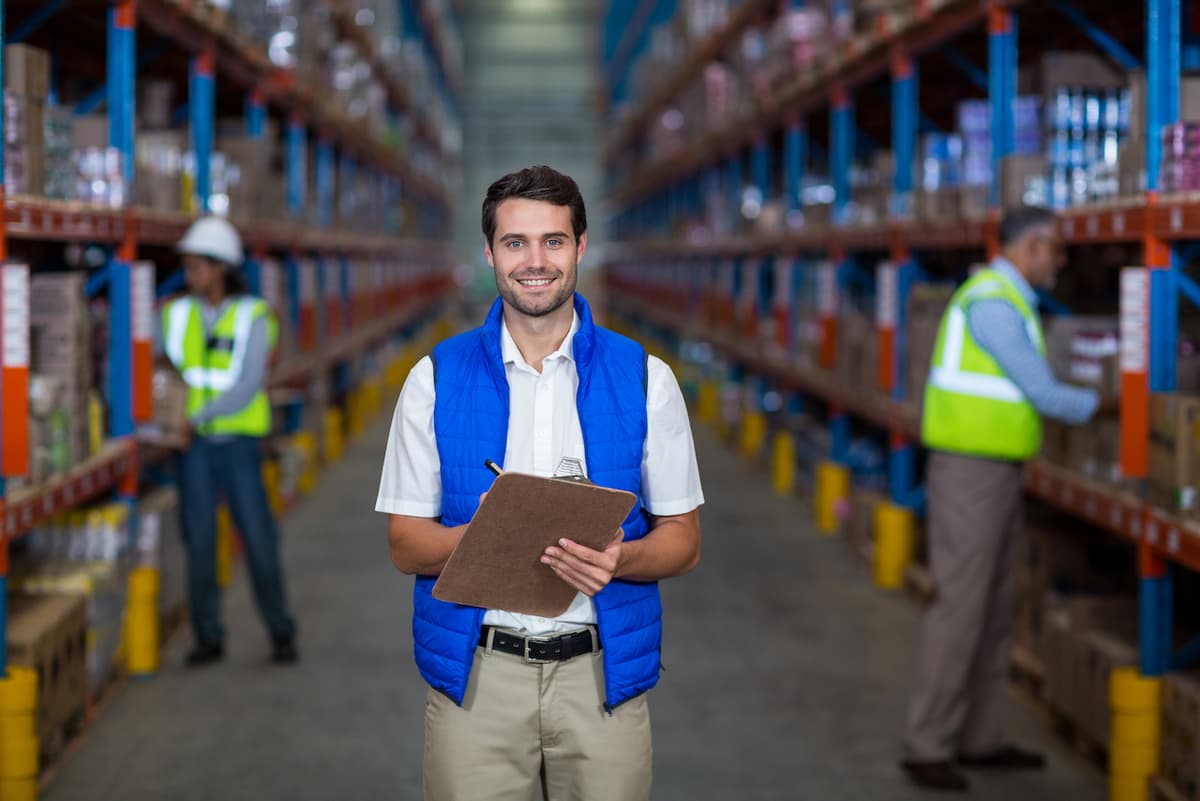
{"points": [[535, 282]]}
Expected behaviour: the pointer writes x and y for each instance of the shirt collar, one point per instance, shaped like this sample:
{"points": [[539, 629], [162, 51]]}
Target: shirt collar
{"points": [[512, 354], [1006, 268]]}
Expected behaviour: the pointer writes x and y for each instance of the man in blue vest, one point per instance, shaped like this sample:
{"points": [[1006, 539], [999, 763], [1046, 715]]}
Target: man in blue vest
{"points": [[515, 700]]}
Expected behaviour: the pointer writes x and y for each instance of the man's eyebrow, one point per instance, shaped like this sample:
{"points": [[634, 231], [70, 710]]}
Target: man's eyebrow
{"points": [[551, 235]]}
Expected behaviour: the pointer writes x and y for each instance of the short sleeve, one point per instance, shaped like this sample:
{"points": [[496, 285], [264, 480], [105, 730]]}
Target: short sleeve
{"points": [[670, 473], [411, 483]]}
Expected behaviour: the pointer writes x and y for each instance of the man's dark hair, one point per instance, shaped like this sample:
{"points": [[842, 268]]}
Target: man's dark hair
{"points": [[1020, 220], [535, 183]]}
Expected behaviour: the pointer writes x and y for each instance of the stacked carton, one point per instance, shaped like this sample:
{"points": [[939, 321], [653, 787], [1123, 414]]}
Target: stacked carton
{"points": [[1174, 470], [61, 350], [1083, 641], [925, 307], [26, 86], [1181, 732]]}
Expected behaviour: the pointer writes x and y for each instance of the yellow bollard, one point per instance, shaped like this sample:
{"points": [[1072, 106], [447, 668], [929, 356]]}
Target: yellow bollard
{"points": [[18, 789], [18, 734], [270, 478], [305, 445], [1134, 746], [141, 622], [224, 546], [895, 542], [753, 434], [783, 463], [332, 432], [708, 406], [833, 490], [19, 759]]}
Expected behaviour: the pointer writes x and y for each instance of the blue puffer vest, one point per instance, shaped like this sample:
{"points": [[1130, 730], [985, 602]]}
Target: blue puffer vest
{"points": [[471, 424]]}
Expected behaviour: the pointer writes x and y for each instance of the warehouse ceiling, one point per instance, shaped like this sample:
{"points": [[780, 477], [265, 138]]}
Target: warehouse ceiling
{"points": [[528, 98]]}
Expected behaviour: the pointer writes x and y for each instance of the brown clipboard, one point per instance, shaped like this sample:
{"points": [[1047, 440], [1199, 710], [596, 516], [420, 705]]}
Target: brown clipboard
{"points": [[497, 564]]}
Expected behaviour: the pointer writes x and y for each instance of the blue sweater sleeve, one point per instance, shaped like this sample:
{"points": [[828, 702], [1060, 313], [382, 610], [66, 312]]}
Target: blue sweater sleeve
{"points": [[1000, 330]]}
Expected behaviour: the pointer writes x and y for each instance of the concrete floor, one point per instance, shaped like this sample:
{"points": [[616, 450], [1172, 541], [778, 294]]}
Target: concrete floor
{"points": [[787, 674]]}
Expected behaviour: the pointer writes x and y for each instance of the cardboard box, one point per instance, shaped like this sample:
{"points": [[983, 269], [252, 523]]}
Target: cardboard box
{"points": [[923, 312], [1069, 68], [91, 131], [1019, 176], [27, 71], [48, 633], [1174, 455], [1181, 732], [1101, 653]]}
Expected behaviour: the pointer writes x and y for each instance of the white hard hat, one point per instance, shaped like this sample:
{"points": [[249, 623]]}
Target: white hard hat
{"points": [[215, 238]]}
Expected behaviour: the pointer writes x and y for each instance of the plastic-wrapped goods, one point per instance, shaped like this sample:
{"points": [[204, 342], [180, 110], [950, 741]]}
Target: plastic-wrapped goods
{"points": [[1180, 170], [1085, 129], [59, 138]]}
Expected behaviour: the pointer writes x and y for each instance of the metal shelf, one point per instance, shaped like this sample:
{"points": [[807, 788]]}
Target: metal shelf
{"points": [[302, 367], [708, 50], [28, 508], [866, 57], [196, 26], [34, 218], [398, 93], [1108, 507]]}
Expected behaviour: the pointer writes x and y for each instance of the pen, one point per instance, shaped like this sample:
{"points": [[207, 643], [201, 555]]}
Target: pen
{"points": [[490, 465]]}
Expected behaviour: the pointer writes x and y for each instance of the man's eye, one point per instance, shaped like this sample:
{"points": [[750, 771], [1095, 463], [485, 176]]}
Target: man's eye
{"points": [[514, 245], [553, 242]]}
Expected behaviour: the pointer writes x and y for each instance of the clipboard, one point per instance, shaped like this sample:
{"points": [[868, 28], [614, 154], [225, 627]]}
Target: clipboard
{"points": [[497, 564]]}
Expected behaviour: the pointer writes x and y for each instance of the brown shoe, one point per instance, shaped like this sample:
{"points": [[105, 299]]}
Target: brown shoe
{"points": [[935, 775], [1007, 758]]}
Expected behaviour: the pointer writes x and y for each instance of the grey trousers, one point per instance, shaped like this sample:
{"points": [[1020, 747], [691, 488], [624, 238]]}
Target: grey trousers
{"points": [[975, 519]]}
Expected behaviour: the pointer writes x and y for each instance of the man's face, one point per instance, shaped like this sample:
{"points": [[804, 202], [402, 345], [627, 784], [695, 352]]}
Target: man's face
{"points": [[1043, 254], [201, 273], [535, 256]]}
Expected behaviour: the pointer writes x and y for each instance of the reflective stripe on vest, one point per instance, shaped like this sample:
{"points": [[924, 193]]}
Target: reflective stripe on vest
{"points": [[218, 379], [951, 377]]}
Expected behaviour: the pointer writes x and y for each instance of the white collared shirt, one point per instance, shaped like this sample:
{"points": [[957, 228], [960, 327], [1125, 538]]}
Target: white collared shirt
{"points": [[543, 428]]}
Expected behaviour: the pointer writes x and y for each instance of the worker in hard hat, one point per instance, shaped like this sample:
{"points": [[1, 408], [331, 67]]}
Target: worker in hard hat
{"points": [[219, 338]]}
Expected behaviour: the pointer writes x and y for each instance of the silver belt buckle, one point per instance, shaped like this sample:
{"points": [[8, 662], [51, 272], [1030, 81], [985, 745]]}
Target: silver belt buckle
{"points": [[531, 660]]}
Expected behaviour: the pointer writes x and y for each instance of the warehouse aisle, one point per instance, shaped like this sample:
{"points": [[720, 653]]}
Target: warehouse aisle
{"points": [[786, 674]]}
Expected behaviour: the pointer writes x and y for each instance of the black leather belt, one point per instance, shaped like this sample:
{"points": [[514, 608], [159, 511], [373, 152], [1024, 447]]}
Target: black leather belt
{"points": [[542, 649]]}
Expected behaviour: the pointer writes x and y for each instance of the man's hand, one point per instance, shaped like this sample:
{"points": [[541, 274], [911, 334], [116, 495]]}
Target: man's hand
{"points": [[586, 570]]}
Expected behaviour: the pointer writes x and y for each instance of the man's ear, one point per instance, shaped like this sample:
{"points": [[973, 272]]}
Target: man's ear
{"points": [[487, 251], [581, 249]]}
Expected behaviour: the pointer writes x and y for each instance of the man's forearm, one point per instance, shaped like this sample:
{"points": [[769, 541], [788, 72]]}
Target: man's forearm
{"points": [[420, 546], [672, 548]]}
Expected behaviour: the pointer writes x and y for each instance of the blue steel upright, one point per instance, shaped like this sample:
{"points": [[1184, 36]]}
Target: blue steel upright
{"points": [[201, 113], [841, 151], [1163, 62], [1002, 90], [795, 155]]}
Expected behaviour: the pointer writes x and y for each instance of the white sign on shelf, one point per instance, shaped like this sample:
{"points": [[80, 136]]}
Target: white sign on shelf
{"points": [[887, 283], [141, 279], [15, 321], [1135, 320], [827, 289], [308, 281], [271, 283], [783, 284]]}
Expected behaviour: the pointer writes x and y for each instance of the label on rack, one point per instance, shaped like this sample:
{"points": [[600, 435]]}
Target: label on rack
{"points": [[783, 284], [142, 293], [827, 290], [887, 284], [15, 290], [1135, 320], [308, 281], [271, 284]]}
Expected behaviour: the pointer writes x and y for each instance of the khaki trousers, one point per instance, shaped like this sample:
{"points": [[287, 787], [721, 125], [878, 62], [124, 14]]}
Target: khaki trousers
{"points": [[975, 519], [523, 725]]}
